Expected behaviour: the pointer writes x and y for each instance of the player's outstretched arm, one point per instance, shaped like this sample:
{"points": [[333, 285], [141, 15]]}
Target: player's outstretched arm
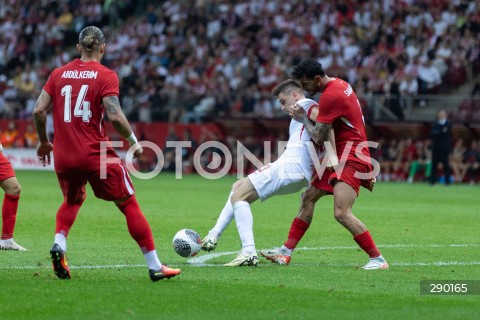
{"points": [[42, 106], [120, 122]]}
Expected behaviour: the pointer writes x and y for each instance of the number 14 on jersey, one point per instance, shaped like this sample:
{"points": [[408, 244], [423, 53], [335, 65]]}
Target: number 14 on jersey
{"points": [[82, 107]]}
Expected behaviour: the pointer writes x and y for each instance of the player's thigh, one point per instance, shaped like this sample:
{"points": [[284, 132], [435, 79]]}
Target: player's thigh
{"points": [[243, 190], [114, 186], [6, 169], [73, 186], [344, 197], [272, 180], [312, 194]]}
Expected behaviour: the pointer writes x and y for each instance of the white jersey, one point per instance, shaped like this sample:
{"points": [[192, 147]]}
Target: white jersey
{"points": [[293, 170], [297, 146]]}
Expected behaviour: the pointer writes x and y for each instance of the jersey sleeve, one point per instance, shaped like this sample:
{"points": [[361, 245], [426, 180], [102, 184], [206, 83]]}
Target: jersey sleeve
{"points": [[111, 86], [327, 113], [48, 87], [310, 108]]}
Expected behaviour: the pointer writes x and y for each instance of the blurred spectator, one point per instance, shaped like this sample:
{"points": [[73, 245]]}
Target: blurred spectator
{"points": [[30, 137], [184, 50], [429, 78], [423, 161], [456, 160], [9, 136], [472, 162]]}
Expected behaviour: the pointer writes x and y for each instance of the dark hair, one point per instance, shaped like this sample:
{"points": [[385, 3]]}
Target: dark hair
{"points": [[90, 37], [287, 85], [308, 68]]}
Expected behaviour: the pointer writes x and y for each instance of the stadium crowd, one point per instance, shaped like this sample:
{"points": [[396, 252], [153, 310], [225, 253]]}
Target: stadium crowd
{"points": [[188, 63], [191, 61]]}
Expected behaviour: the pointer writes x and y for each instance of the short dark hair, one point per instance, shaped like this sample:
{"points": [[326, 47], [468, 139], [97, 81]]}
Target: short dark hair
{"points": [[288, 84], [308, 68]]}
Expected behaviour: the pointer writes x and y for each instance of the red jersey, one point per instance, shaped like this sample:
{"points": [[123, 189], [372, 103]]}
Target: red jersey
{"points": [[338, 105], [77, 90]]}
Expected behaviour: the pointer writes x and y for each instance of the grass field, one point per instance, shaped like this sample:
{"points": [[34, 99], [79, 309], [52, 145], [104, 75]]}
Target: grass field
{"points": [[426, 233]]}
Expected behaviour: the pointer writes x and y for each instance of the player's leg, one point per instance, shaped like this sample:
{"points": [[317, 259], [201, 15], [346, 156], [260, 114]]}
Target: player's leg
{"points": [[12, 188], [119, 188], [244, 193], [73, 189], [344, 198], [247, 192], [262, 184], [140, 231], [298, 228]]}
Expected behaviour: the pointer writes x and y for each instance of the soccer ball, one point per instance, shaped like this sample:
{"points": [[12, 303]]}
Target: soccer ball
{"points": [[187, 243]]}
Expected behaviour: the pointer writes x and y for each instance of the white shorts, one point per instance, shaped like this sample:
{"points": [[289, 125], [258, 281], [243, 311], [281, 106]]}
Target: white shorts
{"points": [[278, 178]]}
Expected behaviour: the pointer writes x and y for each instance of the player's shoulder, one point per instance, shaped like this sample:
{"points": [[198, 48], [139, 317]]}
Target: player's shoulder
{"points": [[107, 72], [307, 103]]}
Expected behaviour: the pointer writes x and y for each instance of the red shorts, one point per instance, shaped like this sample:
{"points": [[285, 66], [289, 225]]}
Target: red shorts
{"points": [[347, 175], [322, 183], [117, 185], [6, 170]]}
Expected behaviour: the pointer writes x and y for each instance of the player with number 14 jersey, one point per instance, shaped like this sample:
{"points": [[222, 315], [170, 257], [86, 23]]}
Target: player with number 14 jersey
{"points": [[85, 84]]}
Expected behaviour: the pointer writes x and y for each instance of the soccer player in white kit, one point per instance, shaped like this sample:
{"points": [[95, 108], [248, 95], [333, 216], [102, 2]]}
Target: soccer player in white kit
{"points": [[290, 173]]}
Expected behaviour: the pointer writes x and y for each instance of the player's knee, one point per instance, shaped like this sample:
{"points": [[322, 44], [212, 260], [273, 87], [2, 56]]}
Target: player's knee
{"points": [[15, 189], [78, 200], [11, 186], [340, 214], [310, 196], [242, 191]]}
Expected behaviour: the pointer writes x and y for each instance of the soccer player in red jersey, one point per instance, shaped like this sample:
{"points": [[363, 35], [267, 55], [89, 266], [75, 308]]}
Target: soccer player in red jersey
{"points": [[340, 109], [78, 94], [11, 187]]}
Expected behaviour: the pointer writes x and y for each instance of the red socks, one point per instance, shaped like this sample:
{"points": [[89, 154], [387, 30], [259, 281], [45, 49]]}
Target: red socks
{"points": [[137, 224], [9, 215], [297, 230], [365, 241], [66, 215]]}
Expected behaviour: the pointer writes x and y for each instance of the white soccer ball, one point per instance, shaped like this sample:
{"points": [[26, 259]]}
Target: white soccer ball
{"points": [[187, 243]]}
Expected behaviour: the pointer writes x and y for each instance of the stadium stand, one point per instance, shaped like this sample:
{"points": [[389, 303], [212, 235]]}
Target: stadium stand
{"points": [[216, 61]]}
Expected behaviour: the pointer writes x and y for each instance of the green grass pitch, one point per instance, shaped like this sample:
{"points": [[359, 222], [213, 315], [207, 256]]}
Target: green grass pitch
{"points": [[425, 233]]}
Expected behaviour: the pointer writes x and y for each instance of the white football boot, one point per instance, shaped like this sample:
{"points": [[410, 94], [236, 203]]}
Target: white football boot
{"points": [[376, 263], [10, 244], [244, 260]]}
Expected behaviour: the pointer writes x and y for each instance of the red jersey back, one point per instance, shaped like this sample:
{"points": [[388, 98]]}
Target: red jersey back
{"points": [[338, 105], [77, 90]]}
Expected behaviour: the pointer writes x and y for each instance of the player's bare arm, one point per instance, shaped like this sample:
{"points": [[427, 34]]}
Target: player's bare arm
{"points": [[319, 132], [120, 122], [42, 107], [332, 156]]}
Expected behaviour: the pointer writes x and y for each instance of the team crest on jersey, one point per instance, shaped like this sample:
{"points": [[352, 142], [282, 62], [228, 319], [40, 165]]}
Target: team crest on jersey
{"points": [[349, 90]]}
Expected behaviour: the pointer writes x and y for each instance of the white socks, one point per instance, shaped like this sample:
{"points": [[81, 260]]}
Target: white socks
{"points": [[61, 241], [150, 257], [224, 219], [284, 250], [244, 220], [152, 260]]}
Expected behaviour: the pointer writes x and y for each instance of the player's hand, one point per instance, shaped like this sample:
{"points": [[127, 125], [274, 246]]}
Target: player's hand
{"points": [[372, 184], [137, 150], [296, 112], [43, 152]]}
